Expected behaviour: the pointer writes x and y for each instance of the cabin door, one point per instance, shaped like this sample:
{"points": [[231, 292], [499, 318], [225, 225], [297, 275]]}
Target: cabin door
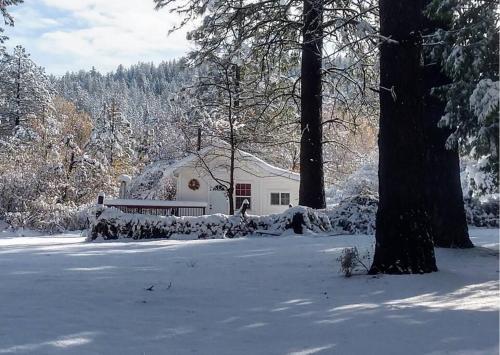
{"points": [[218, 200]]}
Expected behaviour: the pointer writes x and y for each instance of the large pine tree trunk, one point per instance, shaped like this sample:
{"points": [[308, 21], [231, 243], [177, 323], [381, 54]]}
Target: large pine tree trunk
{"points": [[403, 230], [443, 188], [312, 192]]}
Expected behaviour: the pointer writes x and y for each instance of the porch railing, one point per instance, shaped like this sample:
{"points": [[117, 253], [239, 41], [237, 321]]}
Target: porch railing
{"points": [[156, 207]]}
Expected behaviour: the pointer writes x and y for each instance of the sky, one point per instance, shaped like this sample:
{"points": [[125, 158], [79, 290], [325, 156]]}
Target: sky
{"points": [[69, 35]]}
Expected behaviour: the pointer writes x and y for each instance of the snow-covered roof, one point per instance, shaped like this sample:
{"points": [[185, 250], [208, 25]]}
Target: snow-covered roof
{"points": [[272, 170]]}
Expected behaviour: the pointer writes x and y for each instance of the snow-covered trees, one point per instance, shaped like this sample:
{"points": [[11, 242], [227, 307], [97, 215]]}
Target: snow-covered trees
{"points": [[49, 177], [25, 91], [468, 51], [147, 97], [112, 140]]}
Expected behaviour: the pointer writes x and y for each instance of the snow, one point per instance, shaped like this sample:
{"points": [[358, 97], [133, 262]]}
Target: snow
{"points": [[219, 148], [258, 295]]}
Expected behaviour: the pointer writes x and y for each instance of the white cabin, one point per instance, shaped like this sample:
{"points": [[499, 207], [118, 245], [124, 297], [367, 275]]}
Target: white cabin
{"points": [[203, 177]]}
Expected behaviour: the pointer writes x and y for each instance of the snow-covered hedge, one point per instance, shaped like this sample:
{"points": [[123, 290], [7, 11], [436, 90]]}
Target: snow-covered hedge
{"points": [[114, 224]]}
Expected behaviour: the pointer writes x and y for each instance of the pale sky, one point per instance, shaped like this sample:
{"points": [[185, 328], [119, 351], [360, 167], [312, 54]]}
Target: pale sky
{"points": [[69, 35]]}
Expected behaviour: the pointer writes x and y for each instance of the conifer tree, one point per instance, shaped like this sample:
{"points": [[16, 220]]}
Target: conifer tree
{"points": [[403, 230]]}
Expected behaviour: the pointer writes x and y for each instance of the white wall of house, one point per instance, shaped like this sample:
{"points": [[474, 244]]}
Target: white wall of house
{"points": [[263, 182]]}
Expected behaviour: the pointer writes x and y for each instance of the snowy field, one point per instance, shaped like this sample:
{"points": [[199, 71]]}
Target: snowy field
{"points": [[280, 295]]}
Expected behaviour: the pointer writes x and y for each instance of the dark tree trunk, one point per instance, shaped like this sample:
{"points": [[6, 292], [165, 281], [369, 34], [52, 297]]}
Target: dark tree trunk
{"points": [[443, 188], [403, 231], [312, 191], [18, 94], [230, 190]]}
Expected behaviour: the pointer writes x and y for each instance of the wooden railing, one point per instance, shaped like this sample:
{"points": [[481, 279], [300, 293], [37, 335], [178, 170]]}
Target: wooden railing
{"points": [[157, 207]]}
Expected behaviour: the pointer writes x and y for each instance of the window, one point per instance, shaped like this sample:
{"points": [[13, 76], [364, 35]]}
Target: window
{"points": [[282, 198], [243, 192], [285, 198]]}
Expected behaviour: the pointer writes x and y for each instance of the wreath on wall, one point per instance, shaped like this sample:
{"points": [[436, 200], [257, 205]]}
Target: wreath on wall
{"points": [[194, 184]]}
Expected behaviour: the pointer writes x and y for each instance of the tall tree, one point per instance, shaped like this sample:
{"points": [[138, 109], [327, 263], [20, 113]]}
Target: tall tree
{"points": [[111, 140], [26, 92], [443, 188], [468, 52], [312, 184], [403, 230]]}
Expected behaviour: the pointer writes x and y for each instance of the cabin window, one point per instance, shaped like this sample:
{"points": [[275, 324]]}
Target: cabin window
{"points": [[275, 198], [243, 192], [278, 198], [285, 198]]}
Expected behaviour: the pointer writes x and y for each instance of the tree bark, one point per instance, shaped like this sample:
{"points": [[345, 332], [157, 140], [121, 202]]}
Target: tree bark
{"points": [[18, 93], [443, 187], [403, 230], [311, 191]]}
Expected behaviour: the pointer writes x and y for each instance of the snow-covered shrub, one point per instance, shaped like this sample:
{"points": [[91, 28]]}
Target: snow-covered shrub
{"points": [[363, 181], [50, 218], [354, 215], [313, 220], [352, 205], [482, 212], [480, 191], [114, 224], [477, 181]]}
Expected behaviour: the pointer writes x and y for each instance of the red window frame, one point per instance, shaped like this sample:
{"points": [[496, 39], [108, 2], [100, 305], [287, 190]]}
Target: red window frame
{"points": [[243, 190]]}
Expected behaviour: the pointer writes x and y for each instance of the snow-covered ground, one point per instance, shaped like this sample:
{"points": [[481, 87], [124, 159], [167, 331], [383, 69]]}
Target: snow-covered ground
{"points": [[279, 295]]}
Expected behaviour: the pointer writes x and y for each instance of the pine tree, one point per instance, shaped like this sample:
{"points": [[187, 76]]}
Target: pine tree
{"points": [[111, 140], [312, 185], [8, 20], [468, 51], [25, 91], [403, 230]]}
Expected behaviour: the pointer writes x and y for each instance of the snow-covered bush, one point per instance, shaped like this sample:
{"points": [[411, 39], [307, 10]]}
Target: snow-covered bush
{"points": [[482, 212], [114, 224], [480, 191], [477, 181], [313, 220], [353, 205], [363, 181], [354, 215], [50, 218]]}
